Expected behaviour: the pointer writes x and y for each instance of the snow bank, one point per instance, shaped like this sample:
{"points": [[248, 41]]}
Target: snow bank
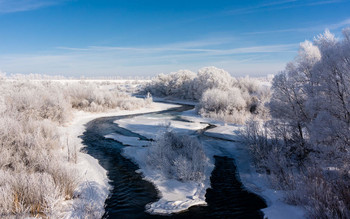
{"points": [[150, 125], [93, 188]]}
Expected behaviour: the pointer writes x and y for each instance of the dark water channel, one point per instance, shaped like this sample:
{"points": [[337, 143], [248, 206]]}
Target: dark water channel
{"points": [[130, 194]]}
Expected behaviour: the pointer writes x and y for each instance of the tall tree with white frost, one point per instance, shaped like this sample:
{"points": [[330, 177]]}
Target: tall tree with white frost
{"points": [[291, 89], [310, 130]]}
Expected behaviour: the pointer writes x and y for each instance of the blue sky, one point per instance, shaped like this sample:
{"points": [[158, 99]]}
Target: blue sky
{"points": [[133, 38]]}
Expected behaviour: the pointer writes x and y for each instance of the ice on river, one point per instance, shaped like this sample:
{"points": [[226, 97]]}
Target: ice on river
{"points": [[127, 140]]}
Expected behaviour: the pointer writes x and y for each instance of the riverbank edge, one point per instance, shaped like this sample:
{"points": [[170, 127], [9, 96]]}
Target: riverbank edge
{"points": [[93, 184]]}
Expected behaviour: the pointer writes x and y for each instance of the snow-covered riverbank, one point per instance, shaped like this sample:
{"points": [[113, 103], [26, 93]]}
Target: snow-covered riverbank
{"points": [[177, 196], [93, 187]]}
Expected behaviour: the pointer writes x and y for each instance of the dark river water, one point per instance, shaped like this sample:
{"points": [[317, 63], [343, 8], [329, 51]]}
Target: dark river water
{"points": [[227, 197]]}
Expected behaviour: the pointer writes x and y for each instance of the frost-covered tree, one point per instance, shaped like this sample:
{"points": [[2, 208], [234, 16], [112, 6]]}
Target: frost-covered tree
{"points": [[176, 84], [331, 103], [291, 89], [211, 77], [219, 95], [228, 105], [310, 128]]}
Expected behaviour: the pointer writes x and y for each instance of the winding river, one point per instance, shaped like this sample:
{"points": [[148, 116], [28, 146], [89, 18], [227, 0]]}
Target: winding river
{"points": [[227, 197]]}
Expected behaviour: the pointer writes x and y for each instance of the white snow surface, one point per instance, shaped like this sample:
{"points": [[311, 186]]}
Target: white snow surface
{"points": [[93, 187], [150, 125]]}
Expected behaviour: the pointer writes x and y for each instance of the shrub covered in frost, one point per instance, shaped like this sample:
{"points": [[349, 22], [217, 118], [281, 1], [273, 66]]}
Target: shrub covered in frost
{"points": [[219, 95], [35, 176], [209, 78], [37, 100], [178, 156], [93, 98], [176, 84], [227, 105]]}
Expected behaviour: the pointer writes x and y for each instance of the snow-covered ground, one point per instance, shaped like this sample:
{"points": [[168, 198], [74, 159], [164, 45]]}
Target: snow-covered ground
{"points": [[93, 187], [177, 196]]}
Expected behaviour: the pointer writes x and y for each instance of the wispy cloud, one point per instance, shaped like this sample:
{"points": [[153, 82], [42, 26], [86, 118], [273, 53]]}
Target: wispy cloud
{"points": [[93, 64], [101, 60], [10, 6], [186, 47], [322, 27], [279, 5], [259, 7], [339, 24]]}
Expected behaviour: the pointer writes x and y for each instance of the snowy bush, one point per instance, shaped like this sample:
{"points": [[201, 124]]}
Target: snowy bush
{"points": [[236, 104], [27, 176], [185, 84], [178, 156], [228, 105], [209, 78], [176, 84], [220, 96], [37, 169], [92, 98], [37, 100]]}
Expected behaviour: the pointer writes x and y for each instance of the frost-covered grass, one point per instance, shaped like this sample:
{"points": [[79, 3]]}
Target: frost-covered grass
{"points": [[178, 156], [92, 98], [38, 162], [219, 95]]}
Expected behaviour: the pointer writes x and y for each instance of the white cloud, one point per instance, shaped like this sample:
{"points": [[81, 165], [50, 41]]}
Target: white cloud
{"points": [[318, 28], [186, 47], [279, 5], [10, 6], [136, 61]]}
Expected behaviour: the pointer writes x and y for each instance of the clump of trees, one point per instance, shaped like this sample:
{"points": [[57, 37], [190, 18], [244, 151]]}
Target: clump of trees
{"points": [[37, 169], [176, 84], [305, 146], [219, 95], [178, 156]]}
